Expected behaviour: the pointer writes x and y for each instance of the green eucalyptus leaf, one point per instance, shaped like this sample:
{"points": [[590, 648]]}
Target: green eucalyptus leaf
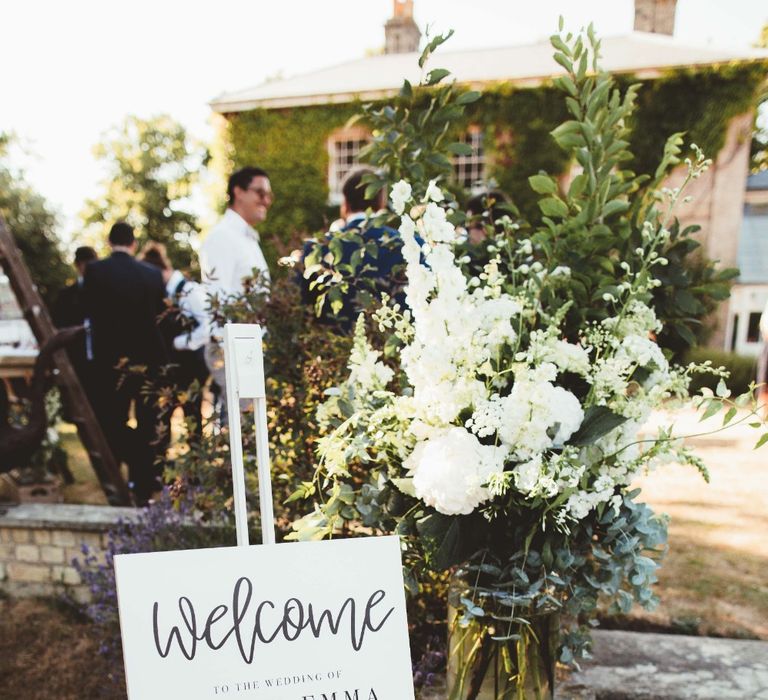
{"points": [[553, 206], [436, 75], [467, 98], [543, 184], [598, 421]]}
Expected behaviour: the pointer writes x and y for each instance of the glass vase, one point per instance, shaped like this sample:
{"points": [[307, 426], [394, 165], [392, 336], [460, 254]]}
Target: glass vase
{"points": [[502, 659]]}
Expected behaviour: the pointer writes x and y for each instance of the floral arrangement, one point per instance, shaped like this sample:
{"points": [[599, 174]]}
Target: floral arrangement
{"points": [[496, 424]]}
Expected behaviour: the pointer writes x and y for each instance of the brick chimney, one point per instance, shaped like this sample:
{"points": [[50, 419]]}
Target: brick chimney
{"points": [[657, 16], [401, 34]]}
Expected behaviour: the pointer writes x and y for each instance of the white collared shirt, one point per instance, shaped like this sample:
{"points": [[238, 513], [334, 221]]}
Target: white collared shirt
{"points": [[229, 253], [193, 303]]}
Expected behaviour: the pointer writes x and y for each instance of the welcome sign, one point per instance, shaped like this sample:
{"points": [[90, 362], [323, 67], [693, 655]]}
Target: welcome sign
{"points": [[299, 621]]}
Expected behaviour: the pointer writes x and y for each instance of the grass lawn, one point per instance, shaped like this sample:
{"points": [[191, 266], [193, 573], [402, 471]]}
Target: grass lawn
{"points": [[714, 580]]}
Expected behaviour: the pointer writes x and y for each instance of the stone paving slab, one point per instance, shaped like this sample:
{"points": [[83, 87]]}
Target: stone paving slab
{"points": [[630, 665]]}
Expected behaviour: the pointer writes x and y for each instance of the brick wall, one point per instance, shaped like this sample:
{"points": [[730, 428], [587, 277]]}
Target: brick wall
{"points": [[39, 541]]}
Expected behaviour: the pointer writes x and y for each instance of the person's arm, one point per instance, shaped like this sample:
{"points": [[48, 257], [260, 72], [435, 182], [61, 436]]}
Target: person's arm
{"points": [[193, 304], [218, 264]]}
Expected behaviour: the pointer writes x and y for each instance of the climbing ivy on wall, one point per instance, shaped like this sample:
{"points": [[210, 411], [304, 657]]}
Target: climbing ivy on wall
{"points": [[700, 102], [291, 143]]}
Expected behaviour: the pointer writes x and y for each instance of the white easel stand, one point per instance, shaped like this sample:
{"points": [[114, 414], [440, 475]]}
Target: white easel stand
{"points": [[244, 368]]}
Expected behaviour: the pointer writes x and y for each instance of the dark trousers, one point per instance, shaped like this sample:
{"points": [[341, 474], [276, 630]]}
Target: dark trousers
{"points": [[137, 447], [187, 366]]}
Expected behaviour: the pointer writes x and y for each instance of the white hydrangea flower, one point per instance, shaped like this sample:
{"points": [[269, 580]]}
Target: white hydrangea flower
{"points": [[527, 475], [536, 414], [451, 471], [400, 195]]}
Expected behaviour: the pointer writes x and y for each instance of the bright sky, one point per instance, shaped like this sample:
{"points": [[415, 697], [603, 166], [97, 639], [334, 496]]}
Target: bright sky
{"points": [[71, 70]]}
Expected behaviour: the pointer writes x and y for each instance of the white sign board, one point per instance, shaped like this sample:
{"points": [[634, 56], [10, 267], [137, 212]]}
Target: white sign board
{"points": [[297, 621]]}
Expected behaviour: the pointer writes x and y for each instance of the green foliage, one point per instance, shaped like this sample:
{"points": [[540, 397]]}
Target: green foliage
{"points": [[412, 133], [152, 165], [517, 125], [741, 370], [690, 291], [291, 143], [591, 228], [33, 226], [302, 358], [343, 272], [759, 150]]}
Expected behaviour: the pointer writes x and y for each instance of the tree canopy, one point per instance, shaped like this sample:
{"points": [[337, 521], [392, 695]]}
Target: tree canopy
{"points": [[152, 165], [33, 224]]}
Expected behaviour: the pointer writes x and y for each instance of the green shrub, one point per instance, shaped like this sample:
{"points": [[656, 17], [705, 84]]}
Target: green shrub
{"points": [[742, 369]]}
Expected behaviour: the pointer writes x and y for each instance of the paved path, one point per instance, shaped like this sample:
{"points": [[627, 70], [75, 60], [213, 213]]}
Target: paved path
{"points": [[637, 666], [649, 666]]}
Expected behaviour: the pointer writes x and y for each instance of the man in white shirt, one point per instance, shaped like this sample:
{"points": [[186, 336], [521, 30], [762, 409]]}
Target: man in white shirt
{"points": [[231, 252], [186, 330]]}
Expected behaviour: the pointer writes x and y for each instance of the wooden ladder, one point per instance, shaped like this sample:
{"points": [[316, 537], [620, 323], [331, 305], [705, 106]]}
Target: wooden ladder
{"points": [[103, 461]]}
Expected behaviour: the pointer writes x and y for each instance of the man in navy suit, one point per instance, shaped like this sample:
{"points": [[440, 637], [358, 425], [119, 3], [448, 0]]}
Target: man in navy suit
{"points": [[362, 257], [123, 299]]}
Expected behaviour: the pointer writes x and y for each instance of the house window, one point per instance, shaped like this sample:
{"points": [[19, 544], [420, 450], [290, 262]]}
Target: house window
{"points": [[469, 171], [753, 327], [343, 150]]}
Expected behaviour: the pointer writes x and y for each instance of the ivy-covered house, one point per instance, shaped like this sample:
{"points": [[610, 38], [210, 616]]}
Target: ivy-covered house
{"points": [[296, 128]]}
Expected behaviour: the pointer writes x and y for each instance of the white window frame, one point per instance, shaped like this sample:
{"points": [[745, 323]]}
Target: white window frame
{"points": [[470, 171], [341, 144]]}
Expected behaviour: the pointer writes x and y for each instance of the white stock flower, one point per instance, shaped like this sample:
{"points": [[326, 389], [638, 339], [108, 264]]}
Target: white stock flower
{"points": [[451, 471], [433, 193], [401, 194], [434, 225], [366, 373], [407, 227]]}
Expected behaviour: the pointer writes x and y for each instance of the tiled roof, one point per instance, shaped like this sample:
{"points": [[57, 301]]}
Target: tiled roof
{"points": [[378, 76]]}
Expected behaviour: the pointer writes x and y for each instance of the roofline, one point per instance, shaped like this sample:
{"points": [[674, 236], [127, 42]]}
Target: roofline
{"points": [[222, 106]]}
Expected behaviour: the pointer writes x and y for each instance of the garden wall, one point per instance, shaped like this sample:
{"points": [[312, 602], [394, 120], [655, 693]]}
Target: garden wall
{"points": [[39, 541]]}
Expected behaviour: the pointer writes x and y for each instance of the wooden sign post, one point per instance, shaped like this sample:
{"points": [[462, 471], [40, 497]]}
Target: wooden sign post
{"points": [[296, 621]]}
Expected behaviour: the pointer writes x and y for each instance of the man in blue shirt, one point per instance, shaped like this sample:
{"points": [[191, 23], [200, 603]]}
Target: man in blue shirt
{"points": [[359, 261]]}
